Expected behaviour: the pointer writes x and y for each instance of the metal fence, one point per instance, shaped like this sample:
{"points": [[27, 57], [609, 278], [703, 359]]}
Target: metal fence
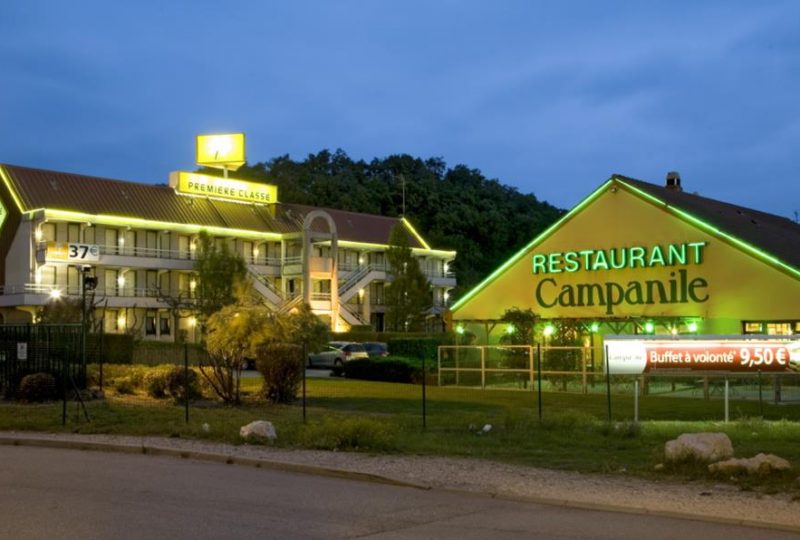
{"points": [[42, 348]]}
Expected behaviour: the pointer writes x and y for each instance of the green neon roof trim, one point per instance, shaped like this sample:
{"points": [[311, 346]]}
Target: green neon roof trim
{"points": [[713, 230], [539, 239]]}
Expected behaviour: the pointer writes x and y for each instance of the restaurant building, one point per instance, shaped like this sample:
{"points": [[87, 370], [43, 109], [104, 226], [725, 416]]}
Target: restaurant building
{"points": [[140, 241], [639, 258]]}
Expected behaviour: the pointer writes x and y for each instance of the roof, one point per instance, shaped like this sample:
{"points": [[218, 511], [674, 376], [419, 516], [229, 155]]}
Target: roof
{"points": [[43, 189], [775, 235]]}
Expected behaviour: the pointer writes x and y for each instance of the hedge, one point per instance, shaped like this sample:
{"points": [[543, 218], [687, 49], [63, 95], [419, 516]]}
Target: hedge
{"points": [[379, 370]]}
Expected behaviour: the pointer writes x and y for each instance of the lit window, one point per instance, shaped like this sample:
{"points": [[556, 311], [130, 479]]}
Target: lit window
{"points": [[779, 329], [753, 328]]}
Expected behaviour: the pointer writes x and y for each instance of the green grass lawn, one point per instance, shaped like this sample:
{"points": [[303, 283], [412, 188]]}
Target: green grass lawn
{"points": [[573, 434]]}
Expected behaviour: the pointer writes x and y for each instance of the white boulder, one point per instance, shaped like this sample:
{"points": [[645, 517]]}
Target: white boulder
{"points": [[759, 464], [258, 428], [699, 446]]}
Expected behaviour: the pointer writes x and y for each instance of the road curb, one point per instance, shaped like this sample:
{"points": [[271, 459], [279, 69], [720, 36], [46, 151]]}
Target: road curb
{"points": [[230, 459], [227, 459]]}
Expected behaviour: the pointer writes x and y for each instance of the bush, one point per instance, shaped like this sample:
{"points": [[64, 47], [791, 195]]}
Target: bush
{"points": [[38, 387], [281, 365], [182, 384], [123, 385], [380, 370], [155, 383], [419, 347]]}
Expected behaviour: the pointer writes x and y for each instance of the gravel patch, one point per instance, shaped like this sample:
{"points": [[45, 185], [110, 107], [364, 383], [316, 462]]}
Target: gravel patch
{"points": [[699, 500]]}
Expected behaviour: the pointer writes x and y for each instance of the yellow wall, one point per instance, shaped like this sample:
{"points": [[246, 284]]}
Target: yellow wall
{"points": [[740, 286]]}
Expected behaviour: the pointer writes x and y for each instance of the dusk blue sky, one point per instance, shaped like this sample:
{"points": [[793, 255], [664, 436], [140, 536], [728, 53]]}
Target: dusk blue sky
{"points": [[548, 97]]}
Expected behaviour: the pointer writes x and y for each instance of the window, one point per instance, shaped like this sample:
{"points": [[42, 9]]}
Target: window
{"points": [[163, 283], [151, 243], [753, 328], [73, 232], [779, 329], [774, 328], [151, 283], [89, 235], [73, 280], [163, 324], [110, 321], [150, 323], [164, 244], [48, 232], [184, 249], [247, 252], [128, 243], [112, 241], [111, 282], [47, 275]]}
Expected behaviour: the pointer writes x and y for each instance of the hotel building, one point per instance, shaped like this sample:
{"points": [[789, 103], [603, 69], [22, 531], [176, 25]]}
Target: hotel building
{"points": [[140, 240]]}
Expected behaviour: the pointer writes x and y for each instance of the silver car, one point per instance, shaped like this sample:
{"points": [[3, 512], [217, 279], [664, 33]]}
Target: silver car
{"points": [[337, 353]]}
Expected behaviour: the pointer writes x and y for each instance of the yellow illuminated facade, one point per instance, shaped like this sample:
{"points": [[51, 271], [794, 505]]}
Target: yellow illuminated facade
{"points": [[624, 261]]}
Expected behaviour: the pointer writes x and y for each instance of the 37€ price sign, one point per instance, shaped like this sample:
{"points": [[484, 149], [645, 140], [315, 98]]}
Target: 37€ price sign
{"points": [[642, 356]]}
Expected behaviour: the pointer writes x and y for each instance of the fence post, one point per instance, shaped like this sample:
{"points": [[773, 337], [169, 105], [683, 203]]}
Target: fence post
{"points": [[636, 401], [760, 397], [439, 365], [186, 380], [608, 383], [584, 386], [531, 367], [483, 367], [303, 366], [727, 405], [424, 397], [64, 391], [539, 377]]}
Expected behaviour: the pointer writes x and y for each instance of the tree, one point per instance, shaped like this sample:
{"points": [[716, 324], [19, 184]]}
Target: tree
{"points": [[219, 271], [408, 295], [519, 331], [229, 342]]}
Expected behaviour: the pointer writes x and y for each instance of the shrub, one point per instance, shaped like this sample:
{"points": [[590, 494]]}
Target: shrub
{"points": [[123, 385], [181, 384], [155, 383], [38, 387], [281, 365], [381, 370], [421, 347]]}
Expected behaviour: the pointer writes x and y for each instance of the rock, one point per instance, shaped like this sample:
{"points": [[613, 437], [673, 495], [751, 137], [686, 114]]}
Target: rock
{"points": [[258, 428], [761, 464], [699, 446], [487, 428]]}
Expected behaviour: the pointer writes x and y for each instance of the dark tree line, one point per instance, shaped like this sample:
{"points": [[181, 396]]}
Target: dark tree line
{"points": [[453, 208]]}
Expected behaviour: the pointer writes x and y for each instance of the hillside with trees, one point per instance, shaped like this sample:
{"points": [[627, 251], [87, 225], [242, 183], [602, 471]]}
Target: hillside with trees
{"points": [[453, 208]]}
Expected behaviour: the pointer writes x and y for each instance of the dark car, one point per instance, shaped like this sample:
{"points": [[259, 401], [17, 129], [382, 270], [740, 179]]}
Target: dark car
{"points": [[376, 349]]}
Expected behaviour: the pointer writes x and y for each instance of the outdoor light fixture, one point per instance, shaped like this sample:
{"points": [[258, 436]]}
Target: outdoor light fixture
{"points": [[595, 327], [192, 321], [510, 329], [692, 326], [649, 327], [674, 330], [55, 294], [192, 284], [38, 235], [121, 321], [459, 329], [121, 281], [548, 330]]}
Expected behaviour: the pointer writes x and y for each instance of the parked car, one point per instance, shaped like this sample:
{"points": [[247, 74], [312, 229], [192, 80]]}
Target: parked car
{"points": [[337, 353], [376, 349]]}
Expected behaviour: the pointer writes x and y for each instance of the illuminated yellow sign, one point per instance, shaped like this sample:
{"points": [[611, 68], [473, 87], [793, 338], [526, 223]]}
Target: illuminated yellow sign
{"points": [[223, 151], [223, 188]]}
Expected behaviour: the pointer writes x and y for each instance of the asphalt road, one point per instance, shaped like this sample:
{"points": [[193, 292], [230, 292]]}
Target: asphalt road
{"points": [[65, 494]]}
